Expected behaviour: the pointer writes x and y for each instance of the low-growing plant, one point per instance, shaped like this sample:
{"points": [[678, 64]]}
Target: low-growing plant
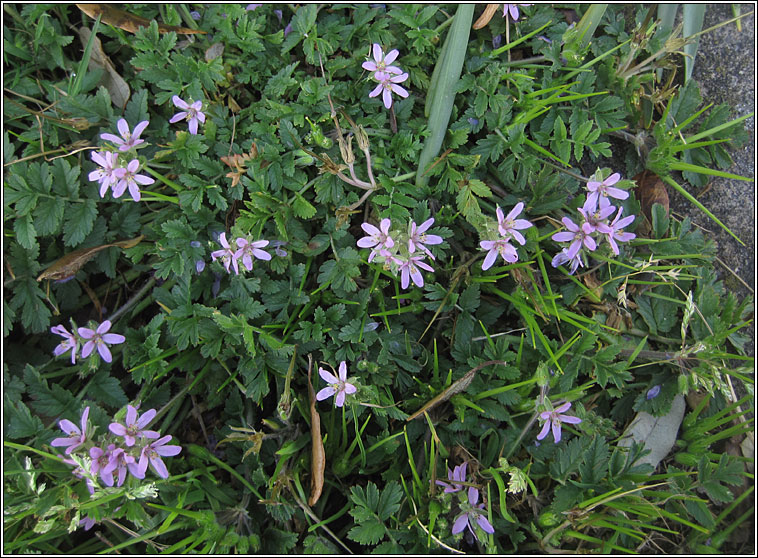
{"points": [[437, 342]]}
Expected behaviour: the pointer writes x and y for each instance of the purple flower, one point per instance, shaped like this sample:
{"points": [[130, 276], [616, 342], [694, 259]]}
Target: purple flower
{"points": [[381, 62], [153, 452], [127, 140], [512, 9], [121, 462], [554, 419], [472, 512], [134, 426], [497, 40], [456, 476], [509, 226], [191, 112], [288, 29], [106, 175], [562, 257], [340, 385], [388, 84], [227, 255], [653, 392], [615, 231], [418, 238], [379, 239], [577, 235], [593, 215], [195, 15], [252, 7], [249, 250], [278, 250], [128, 178], [87, 523], [600, 191], [100, 460], [409, 270], [99, 338], [69, 342], [495, 247], [76, 436]]}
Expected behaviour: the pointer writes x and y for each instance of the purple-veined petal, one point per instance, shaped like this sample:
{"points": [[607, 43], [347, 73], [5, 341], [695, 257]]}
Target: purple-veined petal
{"points": [[339, 401], [386, 97], [563, 408], [378, 89], [145, 419], [325, 393], [390, 57], [460, 523], [569, 419], [350, 388], [328, 376], [105, 354], [342, 371], [556, 431], [489, 259], [177, 117], [89, 346], [484, 524], [544, 431], [179, 103], [123, 127]]}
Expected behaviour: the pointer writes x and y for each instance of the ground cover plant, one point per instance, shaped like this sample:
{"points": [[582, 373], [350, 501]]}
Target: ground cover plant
{"points": [[365, 278]]}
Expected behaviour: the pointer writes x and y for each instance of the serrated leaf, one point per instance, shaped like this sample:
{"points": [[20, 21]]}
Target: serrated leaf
{"points": [[107, 389], [369, 532], [26, 235], [389, 501], [21, 423], [48, 215], [594, 461], [302, 208], [78, 222]]}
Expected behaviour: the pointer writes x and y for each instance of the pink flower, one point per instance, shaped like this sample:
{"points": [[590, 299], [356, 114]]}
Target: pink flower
{"points": [[339, 386], [134, 426], [69, 342], [191, 112], [554, 419], [100, 460], [128, 178], [495, 247], [512, 9], [129, 139], [106, 175], [418, 238], [593, 215], [249, 250], [562, 257], [409, 270], [379, 239], [509, 226], [99, 338], [600, 191], [577, 235], [472, 512], [388, 84], [153, 452], [456, 476], [381, 61], [76, 436], [227, 255], [615, 231]]}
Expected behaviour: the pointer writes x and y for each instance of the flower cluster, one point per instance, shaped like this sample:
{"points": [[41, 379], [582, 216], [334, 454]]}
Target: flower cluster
{"points": [[127, 448], [508, 227], [596, 211], [246, 251], [119, 168], [386, 74], [190, 112], [402, 251], [471, 510], [98, 338]]}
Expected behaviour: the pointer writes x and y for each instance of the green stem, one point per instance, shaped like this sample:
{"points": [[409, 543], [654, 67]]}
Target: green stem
{"points": [[163, 179]]}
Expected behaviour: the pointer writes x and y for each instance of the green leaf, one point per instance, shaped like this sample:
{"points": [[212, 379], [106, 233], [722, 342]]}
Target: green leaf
{"points": [[389, 501], [369, 532], [107, 389], [594, 461], [48, 215], [302, 208], [78, 222], [49, 401], [26, 235], [21, 423]]}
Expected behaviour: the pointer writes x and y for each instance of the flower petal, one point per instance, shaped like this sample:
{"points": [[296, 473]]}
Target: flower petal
{"points": [[325, 393]]}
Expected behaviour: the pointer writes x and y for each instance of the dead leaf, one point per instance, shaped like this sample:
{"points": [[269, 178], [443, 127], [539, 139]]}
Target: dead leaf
{"points": [[650, 190], [486, 16], [658, 434], [457, 386], [112, 81], [68, 265], [318, 457], [214, 51], [130, 23]]}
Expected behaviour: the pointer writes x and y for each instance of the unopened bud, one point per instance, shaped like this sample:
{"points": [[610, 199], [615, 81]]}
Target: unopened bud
{"points": [[362, 138]]}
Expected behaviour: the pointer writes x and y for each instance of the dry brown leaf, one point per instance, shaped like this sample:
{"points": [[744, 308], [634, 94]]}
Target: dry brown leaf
{"points": [[486, 16], [214, 51], [130, 23], [318, 457], [650, 190], [112, 81], [69, 264]]}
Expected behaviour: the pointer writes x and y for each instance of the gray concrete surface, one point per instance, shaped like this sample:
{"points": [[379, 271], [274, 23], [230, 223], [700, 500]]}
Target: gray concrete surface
{"points": [[725, 70]]}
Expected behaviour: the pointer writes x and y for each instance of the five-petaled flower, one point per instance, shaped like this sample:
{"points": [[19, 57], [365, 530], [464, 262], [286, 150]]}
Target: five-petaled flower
{"points": [[153, 452], [473, 512], [227, 254], [191, 112], [577, 235], [249, 250], [409, 269], [106, 175], [456, 477], [76, 436], [128, 178], [554, 419], [509, 226], [388, 84], [99, 338], [379, 239], [381, 62], [127, 139], [512, 10], [495, 247], [615, 231], [135, 426], [601, 191], [69, 342], [339, 386], [418, 237]]}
